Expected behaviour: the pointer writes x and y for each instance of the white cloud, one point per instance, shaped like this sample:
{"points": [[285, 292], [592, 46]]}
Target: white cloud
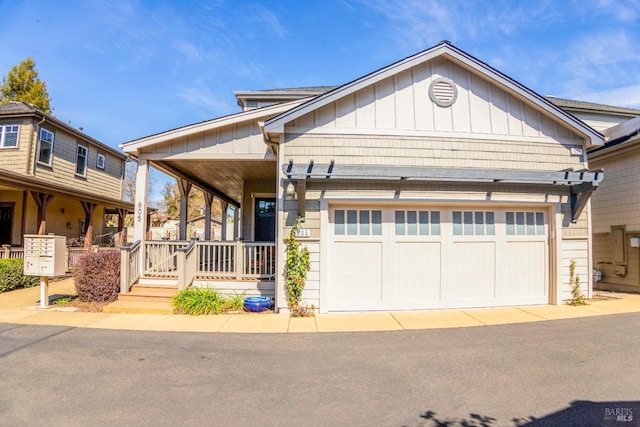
{"points": [[205, 99], [622, 10], [626, 96], [270, 21], [188, 50]]}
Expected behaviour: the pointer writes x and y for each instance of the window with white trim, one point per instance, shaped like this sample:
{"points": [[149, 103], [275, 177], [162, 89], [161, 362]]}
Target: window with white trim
{"points": [[81, 160], [417, 223], [101, 161], [9, 136], [525, 223], [358, 222], [45, 151], [473, 223]]}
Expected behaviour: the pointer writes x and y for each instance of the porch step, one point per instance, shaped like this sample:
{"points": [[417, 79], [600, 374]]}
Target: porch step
{"points": [[157, 282], [138, 307], [149, 293]]}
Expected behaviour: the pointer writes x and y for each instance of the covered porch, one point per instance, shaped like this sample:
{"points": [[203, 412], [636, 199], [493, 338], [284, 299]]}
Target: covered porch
{"points": [[228, 160]]}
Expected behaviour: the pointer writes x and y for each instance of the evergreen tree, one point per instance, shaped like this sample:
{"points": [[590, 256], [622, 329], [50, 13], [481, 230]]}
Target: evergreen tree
{"points": [[22, 84]]}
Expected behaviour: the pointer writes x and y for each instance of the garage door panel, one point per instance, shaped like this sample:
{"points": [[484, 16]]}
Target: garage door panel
{"points": [[356, 274], [417, 273], [471, 272], [437, 257], [524, 279]]}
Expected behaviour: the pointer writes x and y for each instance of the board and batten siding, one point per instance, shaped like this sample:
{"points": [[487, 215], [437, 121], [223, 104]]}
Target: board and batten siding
{"points": [[16, 159], [106, 182], [239, 138], [402, 103]]}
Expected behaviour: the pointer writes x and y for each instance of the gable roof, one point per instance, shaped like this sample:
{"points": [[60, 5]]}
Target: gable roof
{"points": [[133, 146], [592, 107], [18, 109], [275, 125]]}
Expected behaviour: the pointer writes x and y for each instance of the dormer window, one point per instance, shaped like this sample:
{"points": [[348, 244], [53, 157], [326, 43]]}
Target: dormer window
{"points": [[9, 136]]}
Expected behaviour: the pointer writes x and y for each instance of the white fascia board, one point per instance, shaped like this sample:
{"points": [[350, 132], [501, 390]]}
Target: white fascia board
{"points": [[623, 129], [134, 146], [275, 124]]}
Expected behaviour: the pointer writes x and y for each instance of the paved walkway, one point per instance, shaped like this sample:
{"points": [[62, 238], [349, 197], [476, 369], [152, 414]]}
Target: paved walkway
{"points": [[21, 306]]}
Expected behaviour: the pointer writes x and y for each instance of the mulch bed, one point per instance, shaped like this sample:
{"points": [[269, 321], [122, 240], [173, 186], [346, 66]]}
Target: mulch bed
{"points": [[87, 307]]}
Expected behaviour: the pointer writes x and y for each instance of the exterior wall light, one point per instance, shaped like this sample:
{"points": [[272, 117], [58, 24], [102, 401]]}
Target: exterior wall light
{"points": [[291, 191]]}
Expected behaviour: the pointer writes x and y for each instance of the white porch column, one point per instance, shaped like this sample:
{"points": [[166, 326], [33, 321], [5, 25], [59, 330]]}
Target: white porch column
{"points": [[140, 207], [140, 210], [208, 197], [185, 188], [236, 220], [223, 229]]}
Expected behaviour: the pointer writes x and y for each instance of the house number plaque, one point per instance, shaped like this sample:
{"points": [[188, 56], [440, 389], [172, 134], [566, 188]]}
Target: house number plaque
{"points": [[303, 232]]}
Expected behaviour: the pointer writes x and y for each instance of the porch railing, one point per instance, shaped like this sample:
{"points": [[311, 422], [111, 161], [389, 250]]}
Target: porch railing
{"points": [[72, 254], [129, 266], [161, 258], [186, 261], [9, 252]]}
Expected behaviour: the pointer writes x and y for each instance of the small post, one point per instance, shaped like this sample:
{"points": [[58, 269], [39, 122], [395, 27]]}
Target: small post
{"points": [[239, 264], [124, 270], [44, 292]]}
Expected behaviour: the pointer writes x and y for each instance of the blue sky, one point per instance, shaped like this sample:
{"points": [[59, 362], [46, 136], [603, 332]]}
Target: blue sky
{"points": [[127, 69]]}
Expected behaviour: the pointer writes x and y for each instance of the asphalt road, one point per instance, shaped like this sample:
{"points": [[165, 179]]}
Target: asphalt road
{"points": [[570, 372]]}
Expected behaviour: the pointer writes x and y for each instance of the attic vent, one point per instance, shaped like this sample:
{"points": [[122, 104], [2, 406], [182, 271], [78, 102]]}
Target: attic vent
{"points": [[443, 92]]}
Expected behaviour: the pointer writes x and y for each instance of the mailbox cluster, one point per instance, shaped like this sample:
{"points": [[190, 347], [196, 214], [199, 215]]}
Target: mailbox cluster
{"points": [[44, 255]]}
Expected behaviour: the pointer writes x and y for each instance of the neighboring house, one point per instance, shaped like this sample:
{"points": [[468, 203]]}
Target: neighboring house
{"points": [[616, 208], [54, 178], [434, 182]]}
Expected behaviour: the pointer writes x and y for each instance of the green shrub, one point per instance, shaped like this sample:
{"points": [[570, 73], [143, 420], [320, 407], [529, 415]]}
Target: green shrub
{"points": [[97, 276], [235, 302], [12, 277], [198, 301]]}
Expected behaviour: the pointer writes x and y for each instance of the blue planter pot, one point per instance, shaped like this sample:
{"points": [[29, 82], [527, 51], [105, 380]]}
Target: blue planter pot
{"points": [[257, 304]]}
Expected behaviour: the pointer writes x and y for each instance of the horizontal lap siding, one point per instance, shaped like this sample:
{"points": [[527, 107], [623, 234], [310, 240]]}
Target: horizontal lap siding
{"points": [[602, 260], [578, 251], [62, 172], [17, 159], [429, 152], [617, 200]]}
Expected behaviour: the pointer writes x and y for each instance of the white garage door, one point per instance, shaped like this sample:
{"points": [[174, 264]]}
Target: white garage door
{"points": [[414, 258]]}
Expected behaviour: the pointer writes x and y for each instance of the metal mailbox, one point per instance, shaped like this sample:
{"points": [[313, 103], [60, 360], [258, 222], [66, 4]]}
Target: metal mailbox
{"points": [[44, 255]]}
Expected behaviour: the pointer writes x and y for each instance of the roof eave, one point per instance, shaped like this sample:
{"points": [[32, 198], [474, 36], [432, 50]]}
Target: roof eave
{"points": [[133, 147]]}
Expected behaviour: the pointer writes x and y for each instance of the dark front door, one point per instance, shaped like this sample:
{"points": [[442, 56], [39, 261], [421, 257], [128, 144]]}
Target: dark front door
{"points": [[6, 219], [265, 220]]}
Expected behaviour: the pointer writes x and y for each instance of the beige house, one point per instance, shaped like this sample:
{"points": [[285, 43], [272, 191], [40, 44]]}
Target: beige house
{"points": [[54, 178], [616, 208], [434, 182]]}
